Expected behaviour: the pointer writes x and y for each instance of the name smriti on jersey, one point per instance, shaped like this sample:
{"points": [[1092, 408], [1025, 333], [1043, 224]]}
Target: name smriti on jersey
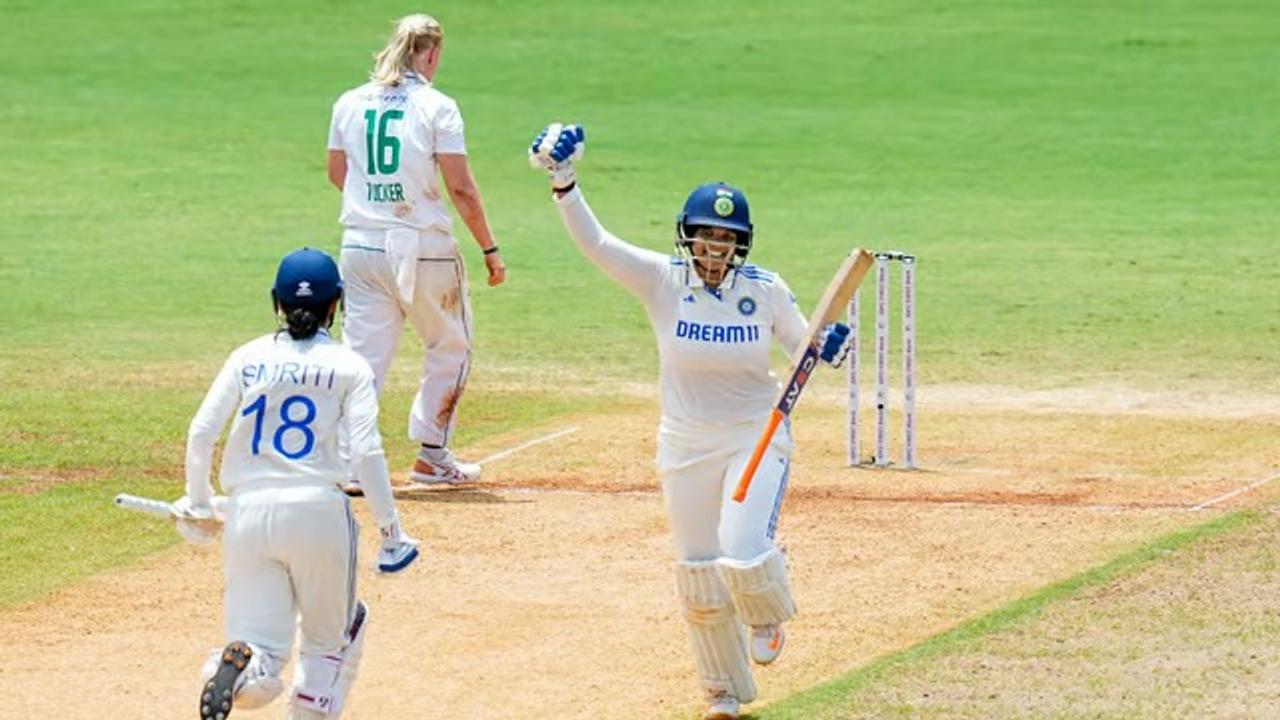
{"points": [[259, 374]]}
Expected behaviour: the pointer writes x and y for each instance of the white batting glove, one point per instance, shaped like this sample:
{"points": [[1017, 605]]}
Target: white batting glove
{"points": [[555, 149], [196, 523], [398, 549]]}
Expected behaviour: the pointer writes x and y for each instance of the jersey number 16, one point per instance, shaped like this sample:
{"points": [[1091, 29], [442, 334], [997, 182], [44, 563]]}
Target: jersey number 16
{"points": [[379, 142]]}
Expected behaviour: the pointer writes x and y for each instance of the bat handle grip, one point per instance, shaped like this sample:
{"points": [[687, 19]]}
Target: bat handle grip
{"points": [[740, 494], [144, 505]]}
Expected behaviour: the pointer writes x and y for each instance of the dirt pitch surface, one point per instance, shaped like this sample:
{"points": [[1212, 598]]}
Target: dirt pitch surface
{"points": [[1191, 636], [547, 591]]}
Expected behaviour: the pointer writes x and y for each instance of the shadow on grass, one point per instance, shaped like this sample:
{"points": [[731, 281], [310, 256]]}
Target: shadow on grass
{"points": [[444, 495]]}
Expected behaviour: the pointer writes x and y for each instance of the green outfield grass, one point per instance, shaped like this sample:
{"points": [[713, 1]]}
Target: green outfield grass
{"points": [[1093, 188]]}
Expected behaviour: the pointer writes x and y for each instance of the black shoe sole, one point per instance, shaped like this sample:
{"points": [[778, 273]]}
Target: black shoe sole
{"points": [[217, 696]]}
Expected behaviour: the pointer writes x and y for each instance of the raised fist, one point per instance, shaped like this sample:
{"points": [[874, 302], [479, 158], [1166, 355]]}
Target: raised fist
{"points": [[555, 149]]}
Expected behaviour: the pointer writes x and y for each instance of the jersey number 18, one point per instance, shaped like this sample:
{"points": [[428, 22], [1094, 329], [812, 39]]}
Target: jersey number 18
{"points": [[258, 408]]}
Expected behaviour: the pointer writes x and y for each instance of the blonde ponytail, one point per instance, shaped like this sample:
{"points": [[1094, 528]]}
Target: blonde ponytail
{"points": [[413, 34]]}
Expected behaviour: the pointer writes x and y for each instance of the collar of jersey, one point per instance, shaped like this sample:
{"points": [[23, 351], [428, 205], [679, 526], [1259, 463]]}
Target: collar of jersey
{"points": [[321, 333], [415, 77], [694, 280]]}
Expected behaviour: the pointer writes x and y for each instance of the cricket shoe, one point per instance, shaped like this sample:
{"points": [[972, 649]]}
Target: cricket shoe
{"points": [[220, 690], [440, 467], [767, 642], [723, 706]]}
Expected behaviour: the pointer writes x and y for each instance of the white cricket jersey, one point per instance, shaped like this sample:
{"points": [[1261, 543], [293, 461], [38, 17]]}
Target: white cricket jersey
{"points": [[713, 346], [391, 136], [286, 399]]}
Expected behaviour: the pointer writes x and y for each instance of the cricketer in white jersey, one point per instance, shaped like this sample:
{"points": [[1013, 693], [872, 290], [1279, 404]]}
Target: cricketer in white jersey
{"points": [[391, 142], [390, 136], [289, 542], [715, 319]]}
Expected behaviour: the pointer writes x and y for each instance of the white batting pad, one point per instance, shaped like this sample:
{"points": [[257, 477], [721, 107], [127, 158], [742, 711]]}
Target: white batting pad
{"points": [[717, 639], [760, 588], [323, 682]]}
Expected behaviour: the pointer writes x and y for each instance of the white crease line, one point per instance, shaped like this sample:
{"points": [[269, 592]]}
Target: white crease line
{"points": [[1059, 474], [565, 491], [531, 443], [1238, 491], [961, 504]]}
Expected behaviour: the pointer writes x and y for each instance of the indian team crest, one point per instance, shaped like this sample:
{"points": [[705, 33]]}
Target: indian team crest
{"points": [[724, 203], [747, 306]]}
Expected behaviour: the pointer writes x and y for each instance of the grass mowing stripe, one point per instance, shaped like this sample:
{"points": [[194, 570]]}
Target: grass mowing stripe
{"points": [[71, 531], [831, 696]]}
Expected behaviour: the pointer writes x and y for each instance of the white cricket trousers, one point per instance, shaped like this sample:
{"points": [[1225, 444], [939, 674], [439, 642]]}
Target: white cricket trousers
{"points": [[705, 521], [289, 550], [440, 314]]}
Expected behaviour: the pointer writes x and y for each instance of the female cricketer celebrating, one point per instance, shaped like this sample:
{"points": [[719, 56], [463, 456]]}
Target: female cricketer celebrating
{"points": [[289, 544], [715, 318], [388, 139]]}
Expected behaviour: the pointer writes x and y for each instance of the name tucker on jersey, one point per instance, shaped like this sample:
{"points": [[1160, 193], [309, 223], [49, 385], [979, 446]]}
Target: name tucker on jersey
{"points": [[384, 192]]}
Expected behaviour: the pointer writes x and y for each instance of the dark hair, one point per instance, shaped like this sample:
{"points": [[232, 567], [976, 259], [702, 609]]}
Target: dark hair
{"points": [[303, 321]]}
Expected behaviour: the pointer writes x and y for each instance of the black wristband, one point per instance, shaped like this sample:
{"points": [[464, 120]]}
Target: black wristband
{"points": [[561, 192], [492, 250]]}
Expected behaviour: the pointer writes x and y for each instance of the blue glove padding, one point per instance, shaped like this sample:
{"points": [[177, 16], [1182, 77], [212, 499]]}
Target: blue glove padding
{"points": [[555, 149], [834, 344], [566, 145]]}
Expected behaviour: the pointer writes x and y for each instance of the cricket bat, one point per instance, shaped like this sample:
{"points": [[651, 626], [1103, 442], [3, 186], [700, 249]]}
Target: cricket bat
{"points": [[162, 509], [830, 308]]}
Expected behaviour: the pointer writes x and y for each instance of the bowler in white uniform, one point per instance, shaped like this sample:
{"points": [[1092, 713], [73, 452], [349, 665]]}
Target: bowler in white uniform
{"points": [[715, 318], [289, 542], [391, 141]]}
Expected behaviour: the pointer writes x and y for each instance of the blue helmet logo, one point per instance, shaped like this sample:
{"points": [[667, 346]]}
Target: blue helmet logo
{"points": [[307, 277], [717, 205]]}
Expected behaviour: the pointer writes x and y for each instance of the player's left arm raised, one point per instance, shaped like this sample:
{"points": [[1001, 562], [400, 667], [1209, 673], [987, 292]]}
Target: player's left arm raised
{"points": [[637, 269]]}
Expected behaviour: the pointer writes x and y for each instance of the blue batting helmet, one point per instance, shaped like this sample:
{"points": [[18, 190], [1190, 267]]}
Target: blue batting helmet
{"points": [[307, 277], [720, 205]]}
